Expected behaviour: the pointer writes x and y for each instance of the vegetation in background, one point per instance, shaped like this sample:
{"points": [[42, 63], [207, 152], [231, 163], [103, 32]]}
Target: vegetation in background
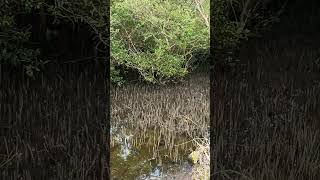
{"points": [[16, 44], [12, 39], [235, 21], [157, 38]]}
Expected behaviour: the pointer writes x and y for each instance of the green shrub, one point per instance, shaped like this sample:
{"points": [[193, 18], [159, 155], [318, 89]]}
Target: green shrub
{"points": [[156, 37]]}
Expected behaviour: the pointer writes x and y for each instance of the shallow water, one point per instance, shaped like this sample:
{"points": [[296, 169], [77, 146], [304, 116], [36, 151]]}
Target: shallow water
{"points": [[130, 161], [153, 128]]}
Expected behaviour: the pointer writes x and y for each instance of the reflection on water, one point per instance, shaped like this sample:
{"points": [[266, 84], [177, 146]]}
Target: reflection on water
{"points": [[125, 145], [140, 162], [178, 171], [155, 174]]}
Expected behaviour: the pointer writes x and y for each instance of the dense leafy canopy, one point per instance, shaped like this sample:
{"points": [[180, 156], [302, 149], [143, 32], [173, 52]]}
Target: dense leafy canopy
{"points": [[156, 37]]}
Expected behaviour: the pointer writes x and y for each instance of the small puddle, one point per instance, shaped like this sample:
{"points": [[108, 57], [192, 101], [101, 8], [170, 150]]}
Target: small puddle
{"points": [[140, 160]]}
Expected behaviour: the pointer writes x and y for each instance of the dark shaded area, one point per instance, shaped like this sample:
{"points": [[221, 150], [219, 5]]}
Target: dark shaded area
{"points": [[59, 40], [54, 125], [265, 109], [52, 128]]}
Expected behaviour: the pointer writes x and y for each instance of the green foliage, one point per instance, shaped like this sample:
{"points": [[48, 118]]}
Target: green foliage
{"points": [[237, 20], [234, 21], [227, 33], [12, 39], [90, 12], [155, 37], [13, 49]]}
